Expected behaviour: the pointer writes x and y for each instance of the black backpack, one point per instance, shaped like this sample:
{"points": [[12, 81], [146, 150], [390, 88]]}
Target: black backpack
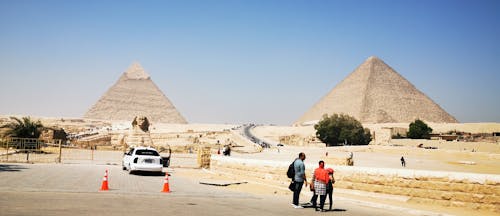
{"points": [[291, 170]]}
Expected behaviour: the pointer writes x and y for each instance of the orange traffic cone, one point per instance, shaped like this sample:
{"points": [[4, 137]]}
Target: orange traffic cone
{"points": [[166, 187], [104, 186]]}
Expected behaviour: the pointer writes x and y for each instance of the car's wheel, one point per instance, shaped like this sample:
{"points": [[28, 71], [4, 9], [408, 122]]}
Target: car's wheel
{"points": [[130, 171], [123, 166]]}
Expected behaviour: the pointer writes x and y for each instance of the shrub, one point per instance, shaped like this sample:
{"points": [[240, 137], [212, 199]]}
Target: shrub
{"points": [[338, 129], [419, 130]]}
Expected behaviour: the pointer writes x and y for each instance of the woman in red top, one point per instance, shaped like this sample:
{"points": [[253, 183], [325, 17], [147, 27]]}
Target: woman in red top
{"points": [[320, 180]]}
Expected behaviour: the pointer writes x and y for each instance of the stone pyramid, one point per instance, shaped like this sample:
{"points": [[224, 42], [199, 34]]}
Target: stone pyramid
{"points": [[375, 93], [135, 94]]}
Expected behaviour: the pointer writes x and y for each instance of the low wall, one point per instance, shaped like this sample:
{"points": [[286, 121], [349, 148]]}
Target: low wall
{"points": [[467, 190]]}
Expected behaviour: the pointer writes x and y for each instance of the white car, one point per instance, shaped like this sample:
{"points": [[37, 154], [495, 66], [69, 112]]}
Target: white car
{"points": [[142, 159]]}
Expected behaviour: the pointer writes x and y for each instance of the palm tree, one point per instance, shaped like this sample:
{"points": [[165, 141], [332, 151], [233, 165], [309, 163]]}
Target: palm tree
{"points": [[25, 128]]}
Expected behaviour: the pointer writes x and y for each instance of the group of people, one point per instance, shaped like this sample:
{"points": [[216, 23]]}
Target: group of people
{"points": [[226, 151], [321, 184]]}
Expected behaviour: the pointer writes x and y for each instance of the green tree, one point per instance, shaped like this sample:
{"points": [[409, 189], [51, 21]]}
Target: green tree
{"points": [[338, 129], [419, 130], [23, 128]]}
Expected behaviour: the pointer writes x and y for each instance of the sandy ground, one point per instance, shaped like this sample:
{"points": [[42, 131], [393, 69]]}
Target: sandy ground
{"points": [[475, 157], [389, 157]]}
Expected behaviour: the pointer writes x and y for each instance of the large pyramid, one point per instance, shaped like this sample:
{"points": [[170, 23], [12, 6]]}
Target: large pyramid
{"points": [[375, 93], [135, 94]]}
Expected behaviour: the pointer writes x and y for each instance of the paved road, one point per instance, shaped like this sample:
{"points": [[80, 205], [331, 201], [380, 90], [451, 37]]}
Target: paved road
{"points": [[72, 189], [247, 133]]}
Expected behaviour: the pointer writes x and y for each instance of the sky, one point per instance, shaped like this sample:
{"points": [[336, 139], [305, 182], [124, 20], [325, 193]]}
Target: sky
{"points": [[238, 61]]}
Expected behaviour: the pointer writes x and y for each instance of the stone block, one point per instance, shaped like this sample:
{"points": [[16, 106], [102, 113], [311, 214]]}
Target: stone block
{"points": [[457, 187], [486, 189], [421, 178], [491, 182], [425, 193], [438, 179], [420, 184], [466, 197], [458, 204], [377, 180], [491, 199], [399, 182], [446, 195]]}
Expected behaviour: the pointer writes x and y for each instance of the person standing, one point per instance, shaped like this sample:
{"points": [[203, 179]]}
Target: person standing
{"points": [[329, 187], [299, 178], [314, 197], [320, 180], [403, 162]]}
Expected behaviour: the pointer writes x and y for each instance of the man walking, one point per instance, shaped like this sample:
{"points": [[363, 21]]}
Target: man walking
{"points": [[299, 179], [403, 162]]}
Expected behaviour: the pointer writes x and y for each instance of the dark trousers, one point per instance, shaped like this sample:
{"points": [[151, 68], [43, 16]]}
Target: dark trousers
{"points": [[296, 192], [329, 193], [314, 199], [322, 199]]}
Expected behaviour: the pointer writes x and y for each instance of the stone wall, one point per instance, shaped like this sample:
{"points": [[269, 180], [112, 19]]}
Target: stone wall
{"points": [[474, 191], [467, 190]]}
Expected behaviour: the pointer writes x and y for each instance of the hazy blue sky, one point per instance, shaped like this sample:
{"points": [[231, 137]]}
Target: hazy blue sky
{"points": [[245, 61]]}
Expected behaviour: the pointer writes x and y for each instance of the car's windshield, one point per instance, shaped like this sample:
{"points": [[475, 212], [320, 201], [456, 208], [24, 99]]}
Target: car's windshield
{"points": [[147, 152]]}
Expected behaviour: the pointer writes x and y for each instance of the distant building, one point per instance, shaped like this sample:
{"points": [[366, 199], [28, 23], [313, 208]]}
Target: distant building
{"points": [[447, 137], [50, 135], [386, 134]]}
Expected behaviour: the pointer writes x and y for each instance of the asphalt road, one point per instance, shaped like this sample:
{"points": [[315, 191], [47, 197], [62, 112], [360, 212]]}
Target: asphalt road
{"points": [[73, 189], [247, 133]]}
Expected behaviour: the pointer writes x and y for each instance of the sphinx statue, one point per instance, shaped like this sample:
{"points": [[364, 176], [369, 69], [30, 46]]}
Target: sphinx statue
{"points": [[139, 134], [141, 123]]}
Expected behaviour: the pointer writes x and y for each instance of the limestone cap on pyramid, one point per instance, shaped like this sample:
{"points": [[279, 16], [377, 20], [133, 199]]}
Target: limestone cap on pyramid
{"points": [[375, 93], [135, 71]]}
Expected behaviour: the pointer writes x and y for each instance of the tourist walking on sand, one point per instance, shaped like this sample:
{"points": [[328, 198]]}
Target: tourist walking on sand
{"points": [[299, 179], [403, 162], [320, 181]]}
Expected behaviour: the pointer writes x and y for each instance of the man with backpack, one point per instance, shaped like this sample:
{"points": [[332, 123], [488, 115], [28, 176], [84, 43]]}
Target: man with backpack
{"points": [[299, 178]]}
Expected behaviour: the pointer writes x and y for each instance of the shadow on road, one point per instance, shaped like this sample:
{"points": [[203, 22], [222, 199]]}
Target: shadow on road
{"points": [[11, 168], [339, 210], [144, 173], [307, 205]]}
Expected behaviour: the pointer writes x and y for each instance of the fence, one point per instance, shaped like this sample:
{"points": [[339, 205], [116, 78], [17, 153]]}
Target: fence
{"points": [[26, 150], [19, 150], [29, 150]]}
